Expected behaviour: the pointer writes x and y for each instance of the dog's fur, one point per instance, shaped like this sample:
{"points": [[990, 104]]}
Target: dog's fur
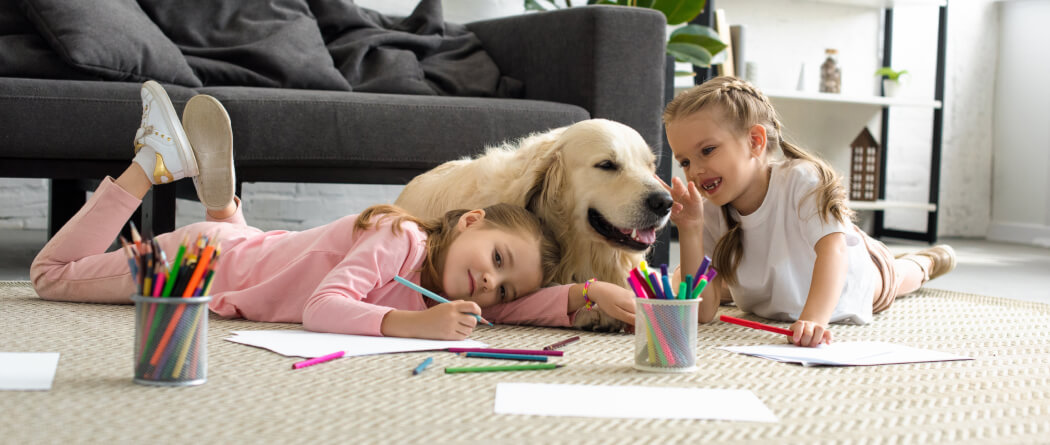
{"points": [[560, 175]]}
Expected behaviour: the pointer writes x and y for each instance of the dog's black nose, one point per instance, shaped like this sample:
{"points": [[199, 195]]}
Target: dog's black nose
{"points": [[659, 203]]}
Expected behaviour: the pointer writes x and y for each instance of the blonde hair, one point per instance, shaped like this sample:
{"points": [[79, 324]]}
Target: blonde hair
{"points": [[442, 231], [743, 106]]}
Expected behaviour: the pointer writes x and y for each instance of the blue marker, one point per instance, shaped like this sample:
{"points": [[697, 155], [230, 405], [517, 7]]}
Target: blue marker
{"points": [[423, 366]]}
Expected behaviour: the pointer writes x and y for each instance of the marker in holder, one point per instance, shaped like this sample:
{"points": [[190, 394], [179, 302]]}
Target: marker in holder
{"points": [[665, 334]]}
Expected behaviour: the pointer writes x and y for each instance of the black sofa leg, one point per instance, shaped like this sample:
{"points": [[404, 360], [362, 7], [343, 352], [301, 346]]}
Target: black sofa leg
{"points": [[158, 209], [66, 197]]}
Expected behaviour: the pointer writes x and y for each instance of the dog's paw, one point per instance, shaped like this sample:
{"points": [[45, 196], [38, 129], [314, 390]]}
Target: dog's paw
{"points": [[597, 321]]}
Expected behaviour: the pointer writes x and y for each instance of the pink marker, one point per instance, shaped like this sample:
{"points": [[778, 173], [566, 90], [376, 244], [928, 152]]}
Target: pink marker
{"points": [[321, 359]]}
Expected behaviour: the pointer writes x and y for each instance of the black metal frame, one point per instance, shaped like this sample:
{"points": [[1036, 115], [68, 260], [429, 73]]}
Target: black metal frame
{"points": [[930, 235]]}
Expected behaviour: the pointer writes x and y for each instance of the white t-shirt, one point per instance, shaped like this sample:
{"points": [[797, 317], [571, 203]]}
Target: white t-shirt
{"points": [[779, 238]]}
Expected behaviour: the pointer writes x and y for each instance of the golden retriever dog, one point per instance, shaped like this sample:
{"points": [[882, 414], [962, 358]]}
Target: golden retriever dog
{"points": [[592, 183]]}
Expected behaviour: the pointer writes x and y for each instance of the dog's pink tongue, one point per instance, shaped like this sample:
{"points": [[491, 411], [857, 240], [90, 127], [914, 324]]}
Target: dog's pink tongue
{"points": [[647, 236]]}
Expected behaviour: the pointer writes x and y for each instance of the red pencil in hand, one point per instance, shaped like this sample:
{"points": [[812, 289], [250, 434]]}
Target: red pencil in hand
{"points": [[755, 325]]}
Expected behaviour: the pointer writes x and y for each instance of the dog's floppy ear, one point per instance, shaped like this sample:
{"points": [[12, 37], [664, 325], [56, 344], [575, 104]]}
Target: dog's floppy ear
{"points": [[534, 157], [546, 193]]}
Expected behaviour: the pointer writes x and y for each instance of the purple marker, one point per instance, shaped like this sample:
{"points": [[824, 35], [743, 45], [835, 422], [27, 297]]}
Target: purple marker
{"points": [[703, 268]]}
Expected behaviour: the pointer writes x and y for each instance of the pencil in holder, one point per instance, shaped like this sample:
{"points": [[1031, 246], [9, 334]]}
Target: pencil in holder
{"points": [[171, 340], [665, 334]]}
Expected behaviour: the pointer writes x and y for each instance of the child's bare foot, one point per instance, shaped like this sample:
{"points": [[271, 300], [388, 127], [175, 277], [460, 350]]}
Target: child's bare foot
{"points": [[207, 126]]}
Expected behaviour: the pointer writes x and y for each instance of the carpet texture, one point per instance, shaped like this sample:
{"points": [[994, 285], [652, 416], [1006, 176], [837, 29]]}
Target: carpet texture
{"points": [[253, 396]]}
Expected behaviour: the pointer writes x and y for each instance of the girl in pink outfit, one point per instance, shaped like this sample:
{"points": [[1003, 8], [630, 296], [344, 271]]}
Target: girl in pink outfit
{"points": [[335, 278]]}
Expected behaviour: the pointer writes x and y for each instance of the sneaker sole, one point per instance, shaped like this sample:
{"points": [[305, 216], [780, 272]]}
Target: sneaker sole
{"points": [[167, 110], [211, 136]]}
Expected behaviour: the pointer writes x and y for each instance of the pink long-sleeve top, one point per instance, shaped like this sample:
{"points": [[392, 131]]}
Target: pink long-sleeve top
{"points": [[332, 279]]}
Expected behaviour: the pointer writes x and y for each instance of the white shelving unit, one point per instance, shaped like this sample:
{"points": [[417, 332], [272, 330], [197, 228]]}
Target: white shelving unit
{"points": [[831, 98], [883, 3], [830, 120], [883, 204]]}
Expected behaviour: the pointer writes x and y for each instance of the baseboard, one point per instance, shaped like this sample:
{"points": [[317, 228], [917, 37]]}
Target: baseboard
{"points": [[1031, 234]]}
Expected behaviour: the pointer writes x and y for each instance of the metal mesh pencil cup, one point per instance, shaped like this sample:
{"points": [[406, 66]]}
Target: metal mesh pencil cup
{"points": [[171, 340], [665, 335]]}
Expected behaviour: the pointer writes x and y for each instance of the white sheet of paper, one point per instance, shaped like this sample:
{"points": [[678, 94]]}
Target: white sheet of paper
{"points": [[860, 353], [315, 344], [636, 402], [27, 371]]}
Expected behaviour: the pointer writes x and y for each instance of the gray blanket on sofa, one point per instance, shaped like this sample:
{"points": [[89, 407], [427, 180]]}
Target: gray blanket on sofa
{"points": [[306, 44]]}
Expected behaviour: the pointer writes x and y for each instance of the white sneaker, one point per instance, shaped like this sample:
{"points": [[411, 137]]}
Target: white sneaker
{"points": [[161, 146], [208, 128]]}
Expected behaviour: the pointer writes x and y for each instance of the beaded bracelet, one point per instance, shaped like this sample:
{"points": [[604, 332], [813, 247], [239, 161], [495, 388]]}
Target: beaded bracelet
{"points": [[586, 299]]}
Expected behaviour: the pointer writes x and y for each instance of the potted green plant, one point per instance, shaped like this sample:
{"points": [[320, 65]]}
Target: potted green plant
{"points": [[891, 80], [695, 44]]}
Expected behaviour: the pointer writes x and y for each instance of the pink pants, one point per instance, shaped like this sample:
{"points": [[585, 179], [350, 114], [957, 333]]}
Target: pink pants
{"points": [[74, 264]]}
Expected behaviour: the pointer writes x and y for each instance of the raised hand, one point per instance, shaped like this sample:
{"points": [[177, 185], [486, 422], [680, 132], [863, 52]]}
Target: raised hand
{"points": [[687, 211]]}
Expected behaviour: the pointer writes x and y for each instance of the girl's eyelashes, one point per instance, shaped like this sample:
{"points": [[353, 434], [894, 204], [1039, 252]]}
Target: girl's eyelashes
{"points": [[497, 258], [706, 151], [502, 293]]}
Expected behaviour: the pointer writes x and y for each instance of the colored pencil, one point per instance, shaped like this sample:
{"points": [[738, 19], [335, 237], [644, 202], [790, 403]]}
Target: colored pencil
{"points": [[432, 295], [174, 321], [509, 351], [525, 357], [539, 367], [755, 325], [559, 344], [175, 266], [316, 360], [188, 341], [423, 366]]}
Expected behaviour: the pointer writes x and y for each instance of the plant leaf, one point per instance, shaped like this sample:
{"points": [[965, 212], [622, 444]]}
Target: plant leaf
{"points": [[540, 5], [679, 11], [698, 35], [690, 53]]}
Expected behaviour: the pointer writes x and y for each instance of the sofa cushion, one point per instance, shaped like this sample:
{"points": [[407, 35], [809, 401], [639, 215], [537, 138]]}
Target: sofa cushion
{"points": [[73, 120], [110, 39], [274, 43], [23, 53], [337, 129]]}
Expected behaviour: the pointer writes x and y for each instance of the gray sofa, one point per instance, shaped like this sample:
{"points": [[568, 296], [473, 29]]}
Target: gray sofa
{"points": [[573, 64]]}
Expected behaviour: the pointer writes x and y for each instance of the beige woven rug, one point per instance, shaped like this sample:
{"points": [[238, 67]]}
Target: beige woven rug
{"points": [[252, 395]]}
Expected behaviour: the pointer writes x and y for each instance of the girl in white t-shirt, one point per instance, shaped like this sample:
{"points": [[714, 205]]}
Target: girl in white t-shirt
{"points": [[779, 232]]}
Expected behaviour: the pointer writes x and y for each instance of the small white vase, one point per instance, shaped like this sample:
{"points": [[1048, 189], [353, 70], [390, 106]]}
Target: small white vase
{"points": [[892, 88]]}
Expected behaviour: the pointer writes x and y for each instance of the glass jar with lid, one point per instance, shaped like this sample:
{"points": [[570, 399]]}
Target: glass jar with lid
{"points": [[830, 74]]}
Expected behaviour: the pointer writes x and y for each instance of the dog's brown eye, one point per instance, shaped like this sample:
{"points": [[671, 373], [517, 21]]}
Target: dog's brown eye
{"points": [[606, 165]]}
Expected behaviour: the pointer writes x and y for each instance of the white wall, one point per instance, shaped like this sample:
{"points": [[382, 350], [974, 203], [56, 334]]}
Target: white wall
{"points": [[1021, 172]]}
